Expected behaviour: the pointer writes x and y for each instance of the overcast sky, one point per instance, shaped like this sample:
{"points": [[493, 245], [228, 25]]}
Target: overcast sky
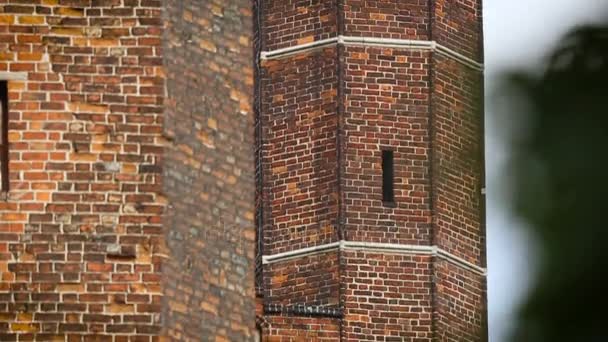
{"points": [[518, 33]]}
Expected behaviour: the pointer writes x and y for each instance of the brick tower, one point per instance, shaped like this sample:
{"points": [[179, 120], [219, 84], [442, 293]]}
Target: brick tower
{"points": [[370, 205]]}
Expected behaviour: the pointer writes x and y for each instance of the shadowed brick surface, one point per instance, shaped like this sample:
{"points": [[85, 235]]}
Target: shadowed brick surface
{"points": [[311, 280], [457, 25], [299, 131], [294, 22], [458, 160], [287, 329], [209, 171], [460, 303]]}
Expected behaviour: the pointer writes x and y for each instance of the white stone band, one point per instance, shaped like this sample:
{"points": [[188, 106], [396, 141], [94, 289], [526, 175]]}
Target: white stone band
{"points": [[292, 50], [13, 76], [371, 41], [375, 247], [298, 253]]}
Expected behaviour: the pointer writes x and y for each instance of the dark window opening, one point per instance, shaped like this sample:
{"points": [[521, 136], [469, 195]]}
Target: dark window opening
{"points": [[388, 174], [4, 178]]}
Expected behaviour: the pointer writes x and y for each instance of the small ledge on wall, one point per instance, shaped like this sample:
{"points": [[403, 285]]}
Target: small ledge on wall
{"points": [[13, 76], [389, 204]]}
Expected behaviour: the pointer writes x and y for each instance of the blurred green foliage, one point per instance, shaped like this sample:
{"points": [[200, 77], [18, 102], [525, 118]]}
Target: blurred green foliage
{"points": [[560, 168]]}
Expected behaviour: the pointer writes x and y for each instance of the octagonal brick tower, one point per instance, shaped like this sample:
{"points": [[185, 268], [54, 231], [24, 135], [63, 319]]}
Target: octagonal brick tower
{"points": [[370, 204]]}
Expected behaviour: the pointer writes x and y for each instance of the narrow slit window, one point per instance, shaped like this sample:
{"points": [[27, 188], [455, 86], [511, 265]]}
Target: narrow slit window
{"points": [[4, 178], [388, 175]]}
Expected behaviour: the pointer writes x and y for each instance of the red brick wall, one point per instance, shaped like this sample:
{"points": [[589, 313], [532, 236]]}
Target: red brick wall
{"points": [[397, 19], [458, 160], [459, 303], [387, 297], [386, 107], [293, 22], [81, 242], [422, 105], [82, 246], [459, 227], [82, 249], [299, 128], [312, 280], [209, 171], [288, 329], [457, 24]]}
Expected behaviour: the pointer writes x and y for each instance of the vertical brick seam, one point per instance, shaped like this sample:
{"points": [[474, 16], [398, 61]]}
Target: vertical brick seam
{"points": [[340, 23]]}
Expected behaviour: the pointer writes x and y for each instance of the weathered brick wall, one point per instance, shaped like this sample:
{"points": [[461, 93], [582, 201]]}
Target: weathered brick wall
{"points": [[457, 24], [300, 183], [387, 297], [81, 235], [458, 160], [299, 128], [80, 231], [312, 280], [459, 304], [294, 22], [386, 108], [209, 171], [288, 329], [398, 19], [81, 241], [459, 227]]}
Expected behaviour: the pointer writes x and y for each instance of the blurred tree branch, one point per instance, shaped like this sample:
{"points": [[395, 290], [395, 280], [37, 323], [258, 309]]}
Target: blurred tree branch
{"points": [[561, 189]]}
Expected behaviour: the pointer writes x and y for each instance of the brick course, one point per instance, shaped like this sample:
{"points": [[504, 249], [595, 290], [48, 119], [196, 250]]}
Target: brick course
{"points": [[312, 281], [288, 329]]}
